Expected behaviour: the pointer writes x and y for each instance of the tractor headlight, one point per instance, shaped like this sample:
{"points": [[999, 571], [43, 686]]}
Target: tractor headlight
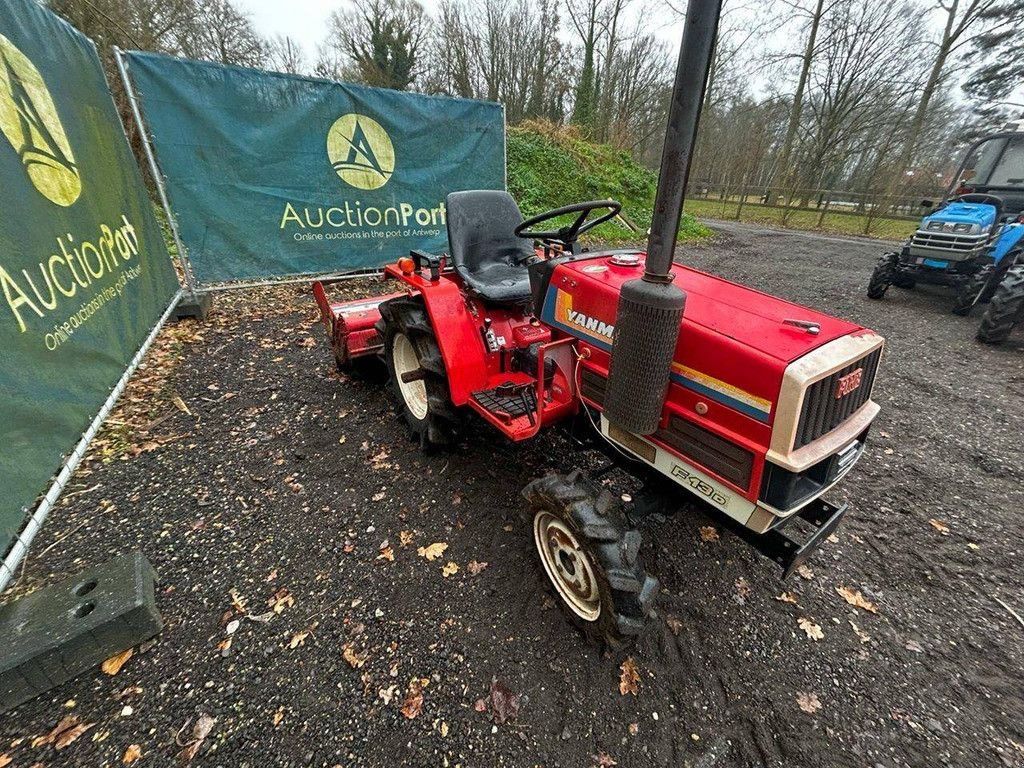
{"points": [[966, 228], [935, 225]]}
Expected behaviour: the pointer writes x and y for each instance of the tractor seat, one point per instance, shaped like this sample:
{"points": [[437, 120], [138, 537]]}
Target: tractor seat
{"points": [[484, 248]]}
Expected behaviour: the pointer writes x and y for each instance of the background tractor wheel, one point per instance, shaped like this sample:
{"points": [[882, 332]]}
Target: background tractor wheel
{"points": [[884, 275], [416, 373], [591, 558], [968, 293], [1006, 309]]}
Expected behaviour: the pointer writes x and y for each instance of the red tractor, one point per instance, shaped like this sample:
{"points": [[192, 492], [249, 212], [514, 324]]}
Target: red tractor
{"points": [[691, 383]]}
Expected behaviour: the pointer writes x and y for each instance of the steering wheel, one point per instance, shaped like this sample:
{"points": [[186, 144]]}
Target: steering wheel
{"points": [[981, 197], [569, 233]]}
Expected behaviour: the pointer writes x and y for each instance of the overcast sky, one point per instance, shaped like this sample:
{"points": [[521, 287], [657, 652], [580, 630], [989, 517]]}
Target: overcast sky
{"points": [[305, 21]]}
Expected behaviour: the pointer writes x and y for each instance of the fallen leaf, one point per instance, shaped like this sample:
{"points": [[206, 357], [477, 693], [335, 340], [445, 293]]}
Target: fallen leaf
{"points": [[65, 725], [913, 645], [413, 704], [808, 702], [272, 575], [450, 570], [405, 538], [939, 526], [433, 551], [5, 759], [743, 588], [299, 638], [444, 729], [378, 496], [204, 724], [456, 499], [629, 680], [863, 636], [674, 624], [278, 716], [133, 753], [855, 598], [480, 705], [355, 660], [281, 599], [805, 572], [504, 703], [387, 553], [787, 597], [180, 405], [709, 533], [113, 665], [972, 546], [812, 630], [634, 729], [603, 760], [474, 567], [237, 601], [71, 734], [387, 694]]}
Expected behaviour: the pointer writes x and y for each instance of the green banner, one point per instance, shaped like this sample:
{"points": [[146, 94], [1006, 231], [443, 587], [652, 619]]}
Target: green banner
{"points": [[83, 267], [272, 175]]}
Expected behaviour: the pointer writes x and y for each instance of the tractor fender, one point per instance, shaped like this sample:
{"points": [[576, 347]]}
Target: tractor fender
{"points": [[457, 332], [1011, 236]]}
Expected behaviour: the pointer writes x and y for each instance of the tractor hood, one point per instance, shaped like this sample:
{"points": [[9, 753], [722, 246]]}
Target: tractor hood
{"points": [[744, 315], [734, 342], [961, 218]]}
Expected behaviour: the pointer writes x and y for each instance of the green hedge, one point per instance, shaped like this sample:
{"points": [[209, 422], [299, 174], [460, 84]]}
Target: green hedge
{"points": [[550, 166]]}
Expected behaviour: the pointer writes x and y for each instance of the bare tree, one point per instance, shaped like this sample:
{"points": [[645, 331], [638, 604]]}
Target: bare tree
{"points": [[284, 55], [220, 32], [383, 39]]}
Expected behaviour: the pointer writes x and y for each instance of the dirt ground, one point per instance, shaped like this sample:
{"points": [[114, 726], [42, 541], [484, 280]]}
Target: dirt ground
{"points": [[284, 496]]}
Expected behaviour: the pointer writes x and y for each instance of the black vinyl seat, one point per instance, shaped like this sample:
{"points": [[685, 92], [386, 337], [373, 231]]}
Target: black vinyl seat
{"points": [[484, 248]]}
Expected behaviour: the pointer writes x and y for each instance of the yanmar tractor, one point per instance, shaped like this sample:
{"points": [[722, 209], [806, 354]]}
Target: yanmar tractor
{"points": [[699, 387], [975, 234]]}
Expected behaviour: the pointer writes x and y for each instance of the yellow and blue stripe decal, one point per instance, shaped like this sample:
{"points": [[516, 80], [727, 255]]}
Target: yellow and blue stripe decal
{"points": [[558, 311], [725, 393]]}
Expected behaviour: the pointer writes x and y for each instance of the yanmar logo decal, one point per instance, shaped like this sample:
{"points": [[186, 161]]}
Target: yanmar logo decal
{"points": [[849, 383], [587, 325]]}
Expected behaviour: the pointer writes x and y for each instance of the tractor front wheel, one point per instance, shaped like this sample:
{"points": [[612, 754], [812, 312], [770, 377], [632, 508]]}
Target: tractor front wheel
{"points": [[416, 372], [1006, 309], [885, 274], [591, 558], [970, 291]]}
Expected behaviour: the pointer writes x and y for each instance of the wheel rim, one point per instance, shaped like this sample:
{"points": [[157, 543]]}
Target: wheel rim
{"points": [[567, 565], [405, 360]]}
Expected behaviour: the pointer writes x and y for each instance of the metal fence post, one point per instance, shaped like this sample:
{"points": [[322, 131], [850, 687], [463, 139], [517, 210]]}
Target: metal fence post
{"points": [[824, 209], [154, 169]]}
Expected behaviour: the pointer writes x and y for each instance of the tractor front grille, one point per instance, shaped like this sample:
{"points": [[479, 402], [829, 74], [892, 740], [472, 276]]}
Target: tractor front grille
{"points": [[827, 403], [946, 245]]}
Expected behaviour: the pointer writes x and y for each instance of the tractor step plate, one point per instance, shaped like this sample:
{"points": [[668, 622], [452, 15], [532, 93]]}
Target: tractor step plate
{"points": [[62, 630], [512, 401]]}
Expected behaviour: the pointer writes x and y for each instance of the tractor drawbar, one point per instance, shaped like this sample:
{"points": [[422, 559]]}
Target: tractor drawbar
{"points": [[650, 309]]}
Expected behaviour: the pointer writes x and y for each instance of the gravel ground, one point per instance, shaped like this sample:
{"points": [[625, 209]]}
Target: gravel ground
{"points": [[281, 495]]}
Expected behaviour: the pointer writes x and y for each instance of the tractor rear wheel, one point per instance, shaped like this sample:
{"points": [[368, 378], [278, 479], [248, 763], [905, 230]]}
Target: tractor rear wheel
{"points": [[591, 558], [884, 275], [416, 373], [1006, 308]]}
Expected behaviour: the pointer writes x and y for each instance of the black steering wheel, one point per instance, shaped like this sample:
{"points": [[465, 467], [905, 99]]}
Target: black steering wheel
{"points": [[981, 197], [569, 233]]}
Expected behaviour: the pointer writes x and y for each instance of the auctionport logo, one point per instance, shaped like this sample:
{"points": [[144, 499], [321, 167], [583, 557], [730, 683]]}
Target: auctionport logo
{"points": [[29, 120], [361, 151]]}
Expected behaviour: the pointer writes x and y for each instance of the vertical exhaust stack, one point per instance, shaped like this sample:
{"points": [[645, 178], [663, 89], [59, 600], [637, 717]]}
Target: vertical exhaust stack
{"points": [[651, 308]]}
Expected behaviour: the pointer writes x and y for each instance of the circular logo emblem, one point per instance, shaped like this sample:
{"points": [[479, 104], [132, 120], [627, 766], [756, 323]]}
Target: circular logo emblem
{"points": [[28, 118], [361, 151]]}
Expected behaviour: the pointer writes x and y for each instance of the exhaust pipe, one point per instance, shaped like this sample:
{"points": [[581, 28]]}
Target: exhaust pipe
{"points": [[651, 308]]}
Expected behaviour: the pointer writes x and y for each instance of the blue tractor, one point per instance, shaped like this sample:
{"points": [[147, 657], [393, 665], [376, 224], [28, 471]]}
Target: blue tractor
{"points": [[974, 236]]}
